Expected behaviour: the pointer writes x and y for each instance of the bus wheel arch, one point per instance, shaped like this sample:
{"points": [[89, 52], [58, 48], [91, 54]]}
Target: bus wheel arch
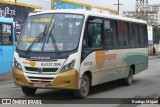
{"points": [[84, 85], [129, 79], [133, 68], [89, 74]]}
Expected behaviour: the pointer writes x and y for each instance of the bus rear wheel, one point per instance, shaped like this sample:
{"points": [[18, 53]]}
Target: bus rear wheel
{"points": [[84, 89], [29, 91], [129, 79]]}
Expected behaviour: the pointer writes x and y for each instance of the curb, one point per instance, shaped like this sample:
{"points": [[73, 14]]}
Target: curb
{"points": [[154, 57]]}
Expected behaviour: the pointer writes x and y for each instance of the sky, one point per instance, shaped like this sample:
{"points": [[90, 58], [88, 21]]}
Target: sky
{"points": [[128, 5]]}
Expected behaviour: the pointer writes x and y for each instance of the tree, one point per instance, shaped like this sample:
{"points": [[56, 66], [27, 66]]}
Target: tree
{"points": [[156, 34]]}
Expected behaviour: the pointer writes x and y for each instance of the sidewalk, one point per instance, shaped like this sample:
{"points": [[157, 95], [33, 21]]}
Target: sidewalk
{"points": [[154, 57]]}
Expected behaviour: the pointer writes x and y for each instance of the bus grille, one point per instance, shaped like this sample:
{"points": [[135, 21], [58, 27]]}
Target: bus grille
{"points": [[40, 79], [46, 75], [34, 70]]}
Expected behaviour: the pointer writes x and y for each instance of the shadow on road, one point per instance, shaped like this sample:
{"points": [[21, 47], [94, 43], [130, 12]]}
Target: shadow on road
{"points": [[68, 94], [49, 96]]}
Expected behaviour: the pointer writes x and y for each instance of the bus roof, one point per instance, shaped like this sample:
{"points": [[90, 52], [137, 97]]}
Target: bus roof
{"points": [[91, 13], [6, 20]]}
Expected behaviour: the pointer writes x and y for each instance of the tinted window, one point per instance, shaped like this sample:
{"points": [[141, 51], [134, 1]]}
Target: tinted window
{"points": [[143, 35], [122, 34], [110, 34], [7, 34], [93, 34], [135, 34], [131, 36]]}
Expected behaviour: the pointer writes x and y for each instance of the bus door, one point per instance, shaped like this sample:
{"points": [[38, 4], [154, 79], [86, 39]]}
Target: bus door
{"points": [[7, 48], [92, 47]]}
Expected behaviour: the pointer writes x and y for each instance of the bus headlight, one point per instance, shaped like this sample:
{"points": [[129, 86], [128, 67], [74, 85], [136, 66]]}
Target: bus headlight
{"points": [[68, 66], [17, 65]]}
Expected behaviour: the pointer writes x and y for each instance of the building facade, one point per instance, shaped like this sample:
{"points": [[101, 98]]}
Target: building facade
{"points": [[18, 11], [154, 7], [130, 14], [153, 14]]}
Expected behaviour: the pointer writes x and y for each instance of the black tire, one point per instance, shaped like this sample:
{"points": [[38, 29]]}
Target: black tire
{"points": [[84, 88], [129, 79], [29, 91]]}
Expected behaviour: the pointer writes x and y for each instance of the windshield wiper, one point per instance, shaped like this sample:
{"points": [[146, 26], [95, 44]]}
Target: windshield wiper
{"points": [[53, 40], [39, 37]]}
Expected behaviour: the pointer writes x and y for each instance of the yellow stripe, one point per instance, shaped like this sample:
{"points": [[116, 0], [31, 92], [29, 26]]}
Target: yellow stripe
{"points": [[78, 3], [103, 8], [20, 4]]}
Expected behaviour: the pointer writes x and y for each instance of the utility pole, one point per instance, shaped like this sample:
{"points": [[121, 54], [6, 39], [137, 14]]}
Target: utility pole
{"points": [[52, 4], [118, 4]]}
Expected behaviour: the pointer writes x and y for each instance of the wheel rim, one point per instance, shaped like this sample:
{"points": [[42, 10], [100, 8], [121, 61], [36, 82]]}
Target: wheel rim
{"points": [[84, 86]]}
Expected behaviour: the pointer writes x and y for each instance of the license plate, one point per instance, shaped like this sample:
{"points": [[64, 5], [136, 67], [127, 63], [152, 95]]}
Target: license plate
{"points": [[39, 85]]}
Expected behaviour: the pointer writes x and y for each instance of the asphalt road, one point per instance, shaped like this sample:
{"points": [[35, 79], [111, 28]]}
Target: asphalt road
{"points": [[145, 85]]}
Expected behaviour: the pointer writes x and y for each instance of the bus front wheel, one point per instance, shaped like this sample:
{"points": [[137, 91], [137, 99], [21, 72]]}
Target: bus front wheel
{"points": [[29, 91], [129, 79], [84, 89]]}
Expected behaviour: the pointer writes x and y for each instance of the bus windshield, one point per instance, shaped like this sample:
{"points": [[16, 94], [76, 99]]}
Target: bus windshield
{"points": [[62, 32]]}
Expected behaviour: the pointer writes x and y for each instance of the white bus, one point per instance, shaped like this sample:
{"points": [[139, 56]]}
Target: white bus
{"points": [[77, 49]]}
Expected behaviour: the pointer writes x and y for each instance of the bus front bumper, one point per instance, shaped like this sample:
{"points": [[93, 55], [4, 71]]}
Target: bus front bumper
{"points": [[64, 80]]}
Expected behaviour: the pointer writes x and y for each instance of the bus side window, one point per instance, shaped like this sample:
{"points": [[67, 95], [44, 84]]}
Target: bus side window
{"points": [[136, 34], [97, 36], [110, 33], [7, 34], [131, 36], [143, 35], [123, 34], [93, 35]]}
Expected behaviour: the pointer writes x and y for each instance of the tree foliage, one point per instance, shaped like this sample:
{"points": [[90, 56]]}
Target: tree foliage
{"points": [[156, 35]]}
